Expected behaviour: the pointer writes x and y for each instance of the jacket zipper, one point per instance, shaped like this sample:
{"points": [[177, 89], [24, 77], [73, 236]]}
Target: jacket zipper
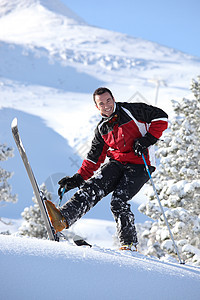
{"points": [[114, 138], [124, 140]]}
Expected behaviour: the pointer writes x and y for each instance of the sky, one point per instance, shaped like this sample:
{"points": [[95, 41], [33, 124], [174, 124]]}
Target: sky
{"points": [[172, 23]]}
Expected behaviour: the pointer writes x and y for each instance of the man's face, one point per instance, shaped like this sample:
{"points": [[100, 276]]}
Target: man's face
{"points": [[105, 103]]}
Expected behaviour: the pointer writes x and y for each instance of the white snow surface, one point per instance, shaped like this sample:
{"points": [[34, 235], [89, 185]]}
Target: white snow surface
{"points": [[51, 61], [43, 269]]}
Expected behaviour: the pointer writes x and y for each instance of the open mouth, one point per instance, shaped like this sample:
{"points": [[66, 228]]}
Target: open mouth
{"points": [[108, 110]]}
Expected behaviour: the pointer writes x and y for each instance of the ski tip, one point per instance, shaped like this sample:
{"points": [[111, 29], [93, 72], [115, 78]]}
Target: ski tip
{"points": [[79, 241], [77, 238], [14, 123]]}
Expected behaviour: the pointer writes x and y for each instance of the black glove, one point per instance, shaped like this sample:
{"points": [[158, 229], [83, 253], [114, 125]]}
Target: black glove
{"points": [[141, 144], [70, 183]]}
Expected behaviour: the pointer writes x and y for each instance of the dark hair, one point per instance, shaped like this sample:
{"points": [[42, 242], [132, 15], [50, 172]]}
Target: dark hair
{"points": [[100, 91]]}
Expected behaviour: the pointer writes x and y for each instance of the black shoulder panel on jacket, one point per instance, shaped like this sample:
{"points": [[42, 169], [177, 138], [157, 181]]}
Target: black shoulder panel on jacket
{"points": [[143, 112]]}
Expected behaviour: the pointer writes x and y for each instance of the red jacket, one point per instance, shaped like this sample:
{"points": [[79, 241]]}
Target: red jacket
{"points": [[115, 135]]}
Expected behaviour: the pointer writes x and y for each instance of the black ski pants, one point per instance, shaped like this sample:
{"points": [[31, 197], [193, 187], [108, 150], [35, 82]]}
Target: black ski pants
{"points": [[125, 181]]}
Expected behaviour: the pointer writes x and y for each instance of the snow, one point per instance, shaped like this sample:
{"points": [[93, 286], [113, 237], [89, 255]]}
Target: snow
{"points": [[14, 123], [51, 61], [42, 269]]}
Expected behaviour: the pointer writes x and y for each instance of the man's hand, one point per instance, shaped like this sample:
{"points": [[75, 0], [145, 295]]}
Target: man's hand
{"points": [[141, 144], [139, 148], [70, 183]]}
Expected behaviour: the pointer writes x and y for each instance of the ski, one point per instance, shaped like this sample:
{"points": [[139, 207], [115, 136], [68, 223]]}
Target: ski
{"points": [[38, 194], [79, 241]]}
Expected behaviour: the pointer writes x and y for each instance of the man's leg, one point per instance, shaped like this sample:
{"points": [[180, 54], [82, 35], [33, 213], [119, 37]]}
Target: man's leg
{"points": [[92, 192], [135, 176]]}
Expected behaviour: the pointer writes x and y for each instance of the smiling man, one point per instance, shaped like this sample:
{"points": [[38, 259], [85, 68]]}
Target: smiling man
{"points": [[125, 132], [105, 103]]}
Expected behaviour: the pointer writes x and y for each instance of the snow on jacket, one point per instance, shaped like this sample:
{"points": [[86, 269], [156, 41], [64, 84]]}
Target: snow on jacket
{"points": [[115, 135]]}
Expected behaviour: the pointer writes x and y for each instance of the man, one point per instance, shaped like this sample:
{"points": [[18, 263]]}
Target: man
{"points": [[125, 132]]}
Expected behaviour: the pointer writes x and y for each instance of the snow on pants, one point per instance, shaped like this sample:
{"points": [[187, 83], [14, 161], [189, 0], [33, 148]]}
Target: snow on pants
{"points": [[124, 180]]}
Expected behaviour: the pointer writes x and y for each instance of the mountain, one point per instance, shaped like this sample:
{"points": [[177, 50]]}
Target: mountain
{"points": [[54, 6], [67, 48]]}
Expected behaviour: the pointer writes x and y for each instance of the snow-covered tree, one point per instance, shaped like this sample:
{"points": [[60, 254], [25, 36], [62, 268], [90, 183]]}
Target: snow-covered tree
{"points": [[178, 184], [34, 225], [5, 188]]}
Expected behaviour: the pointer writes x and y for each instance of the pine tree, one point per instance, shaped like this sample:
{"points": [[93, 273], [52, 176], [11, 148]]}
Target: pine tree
{"points": [[5, 188], [34, 226], [178, 183]]}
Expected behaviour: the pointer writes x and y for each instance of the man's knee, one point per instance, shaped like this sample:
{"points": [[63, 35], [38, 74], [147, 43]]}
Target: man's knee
{"points": [[94, 188], [116, 205]]}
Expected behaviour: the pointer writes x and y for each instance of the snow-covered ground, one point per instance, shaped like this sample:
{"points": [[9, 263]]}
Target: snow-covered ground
{"points": [[42, 269], [51, 61]]}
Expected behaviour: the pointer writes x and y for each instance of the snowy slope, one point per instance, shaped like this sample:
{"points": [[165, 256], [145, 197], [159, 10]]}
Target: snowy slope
{"points": [[39, 269], [55, 6], [123, 62]]}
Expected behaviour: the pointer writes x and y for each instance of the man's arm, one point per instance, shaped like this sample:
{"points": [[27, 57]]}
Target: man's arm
{"points": [[156, 121], [155, 117], [95, 156]]}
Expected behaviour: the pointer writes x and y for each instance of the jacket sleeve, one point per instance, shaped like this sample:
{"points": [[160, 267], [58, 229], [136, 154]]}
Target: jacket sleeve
{"points": [[155, 117], [95, 156]]}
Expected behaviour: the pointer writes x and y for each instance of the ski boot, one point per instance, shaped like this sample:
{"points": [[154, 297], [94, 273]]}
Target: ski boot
{"points": [[129, 247], [58, 221]]}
